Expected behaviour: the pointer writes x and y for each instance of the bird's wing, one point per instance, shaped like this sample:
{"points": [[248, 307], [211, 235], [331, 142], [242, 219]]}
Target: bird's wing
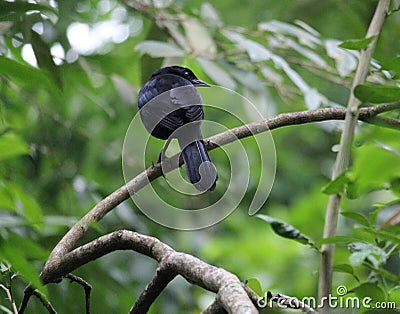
{"points": [[188, 98], [169, 101], [157, 106]]}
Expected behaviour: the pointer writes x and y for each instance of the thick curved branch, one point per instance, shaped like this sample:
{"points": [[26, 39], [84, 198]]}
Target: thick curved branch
{"points": [[68, 242], [171, 262], [234, 295]]}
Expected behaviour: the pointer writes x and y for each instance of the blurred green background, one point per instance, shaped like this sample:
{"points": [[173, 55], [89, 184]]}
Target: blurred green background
{"points": [[70, 72]]}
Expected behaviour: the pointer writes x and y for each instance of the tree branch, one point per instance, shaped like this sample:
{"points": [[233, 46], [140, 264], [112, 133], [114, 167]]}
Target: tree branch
{"points": [[160, 280], [10, 298], [171, 263], [28, 292], [214, 308], [86, 287], [68, 242], [343, 156], [62, 261], [235, 295]]}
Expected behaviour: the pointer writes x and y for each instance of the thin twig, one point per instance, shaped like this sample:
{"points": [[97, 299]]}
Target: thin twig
{"points": [[343, 156], [160, 280], [86, 287], [46, 303], [28, 292], [10, 298]]}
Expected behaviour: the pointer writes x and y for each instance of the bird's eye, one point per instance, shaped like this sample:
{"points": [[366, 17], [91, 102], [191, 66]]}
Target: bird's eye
{"points": [[186, 73]]}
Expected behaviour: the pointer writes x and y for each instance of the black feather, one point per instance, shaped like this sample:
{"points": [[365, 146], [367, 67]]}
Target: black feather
{"points": [[168, 103]]}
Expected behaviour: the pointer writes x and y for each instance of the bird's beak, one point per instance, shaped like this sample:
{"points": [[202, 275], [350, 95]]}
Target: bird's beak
{"points": [[198, 82]]}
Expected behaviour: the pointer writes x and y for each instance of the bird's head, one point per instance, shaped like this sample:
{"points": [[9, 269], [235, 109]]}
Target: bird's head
{"points": [[182, 72]]}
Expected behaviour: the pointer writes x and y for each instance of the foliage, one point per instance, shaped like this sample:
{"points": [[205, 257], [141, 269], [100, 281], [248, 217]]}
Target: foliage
{"points": [[66, 105]]}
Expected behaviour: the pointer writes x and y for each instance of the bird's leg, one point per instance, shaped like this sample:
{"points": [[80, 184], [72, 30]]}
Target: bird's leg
{"points": [[162, 156]]}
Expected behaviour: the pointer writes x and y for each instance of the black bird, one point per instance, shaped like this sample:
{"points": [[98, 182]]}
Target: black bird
{"points": [[171, 107]]}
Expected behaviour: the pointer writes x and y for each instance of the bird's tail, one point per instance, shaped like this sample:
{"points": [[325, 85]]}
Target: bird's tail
{"points": [[199, 167]]}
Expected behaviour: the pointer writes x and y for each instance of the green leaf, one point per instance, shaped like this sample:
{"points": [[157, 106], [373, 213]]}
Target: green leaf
{"points": [[286, 230], [11, 145], [30, 248], [337, 185], [255, 285], [370, 290], [394, 293], [392, 65], [17, 258], [31, 209], [357, 44], [21, 72], [377, 94], [361, 219], [366, 251], [25, 205], [44, 58], [374, 168], [336, 239], [384, 273], [6, 199], [383, 235], [158, 49], [352, 191], [395, 186], [10, 11], [345, 268]]}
